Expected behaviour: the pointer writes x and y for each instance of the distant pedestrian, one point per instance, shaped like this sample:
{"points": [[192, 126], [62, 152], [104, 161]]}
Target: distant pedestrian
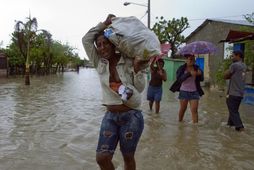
{"points": [[77, 68], [188, 76], [158, 75], [236, 75]]}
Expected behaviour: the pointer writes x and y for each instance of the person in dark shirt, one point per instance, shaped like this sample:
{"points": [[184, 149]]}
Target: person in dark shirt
{"points": [[158, 75], [236, 75]]}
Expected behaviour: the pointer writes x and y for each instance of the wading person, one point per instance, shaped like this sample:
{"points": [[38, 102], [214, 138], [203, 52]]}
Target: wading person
{"points": [[188, 78], [122, 83], [236, 76], [154, 92]]}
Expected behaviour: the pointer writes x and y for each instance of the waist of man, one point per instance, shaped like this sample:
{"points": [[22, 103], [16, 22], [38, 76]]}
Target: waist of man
{"points": [[118, 108]]}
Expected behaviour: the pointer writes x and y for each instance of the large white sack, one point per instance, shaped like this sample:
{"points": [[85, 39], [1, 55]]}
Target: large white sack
{"points": [[133, 38]]}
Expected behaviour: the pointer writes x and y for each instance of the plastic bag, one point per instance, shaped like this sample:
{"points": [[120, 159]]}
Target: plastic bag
{"points": [[133, 38]]}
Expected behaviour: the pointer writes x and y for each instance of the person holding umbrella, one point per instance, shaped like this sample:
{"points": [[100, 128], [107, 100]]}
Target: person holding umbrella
{"points": [[188, 78]]}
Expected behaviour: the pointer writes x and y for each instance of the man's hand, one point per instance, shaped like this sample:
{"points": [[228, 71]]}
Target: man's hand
{"points": [[227, 74], [194, 73], [160, 72], [139, 64], [108, 20], [199, 73], [163, 74]]}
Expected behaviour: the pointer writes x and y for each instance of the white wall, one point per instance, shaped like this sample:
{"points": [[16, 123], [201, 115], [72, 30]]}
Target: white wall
{"points": [[228, 49]]}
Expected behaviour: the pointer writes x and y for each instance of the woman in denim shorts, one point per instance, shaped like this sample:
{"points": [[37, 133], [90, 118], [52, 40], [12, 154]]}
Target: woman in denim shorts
{"points": [[122, 83], [189, 76]]}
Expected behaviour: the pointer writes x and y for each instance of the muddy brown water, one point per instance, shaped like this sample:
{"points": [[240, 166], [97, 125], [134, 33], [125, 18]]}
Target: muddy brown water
{"points": [[54, 125]]}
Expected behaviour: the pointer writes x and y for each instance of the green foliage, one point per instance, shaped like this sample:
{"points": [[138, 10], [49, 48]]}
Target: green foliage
{"points": [[249, 54], [171, 31], [61, 52], [76, 60], [249, 45], [38, 45], [249, 17], [14, 56], [219, 75]]}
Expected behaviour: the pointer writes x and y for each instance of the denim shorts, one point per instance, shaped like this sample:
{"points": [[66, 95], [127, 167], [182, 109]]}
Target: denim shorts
{"points": [[185, 95], [125, 128], [154, 93]]}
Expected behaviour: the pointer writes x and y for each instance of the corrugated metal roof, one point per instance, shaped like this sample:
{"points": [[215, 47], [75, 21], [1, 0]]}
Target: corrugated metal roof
{"points": [[238, 22]]}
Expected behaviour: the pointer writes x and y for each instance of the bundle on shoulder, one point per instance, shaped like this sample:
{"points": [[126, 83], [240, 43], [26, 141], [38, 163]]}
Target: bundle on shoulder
{"points": [[133, 38]]}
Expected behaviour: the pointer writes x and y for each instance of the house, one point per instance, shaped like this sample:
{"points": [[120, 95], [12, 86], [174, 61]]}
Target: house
{"points": [[214, 30], [3, 65]]}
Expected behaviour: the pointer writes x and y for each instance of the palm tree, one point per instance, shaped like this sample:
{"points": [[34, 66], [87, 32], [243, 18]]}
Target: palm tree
{"points": [[26, 32]]}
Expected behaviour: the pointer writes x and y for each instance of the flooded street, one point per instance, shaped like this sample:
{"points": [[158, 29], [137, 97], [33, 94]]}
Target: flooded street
{"points": [[54, 125]]}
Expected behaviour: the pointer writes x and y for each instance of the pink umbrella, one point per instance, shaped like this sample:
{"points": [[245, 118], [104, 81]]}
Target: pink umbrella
{"points": [[165, 48], [198, 47]]}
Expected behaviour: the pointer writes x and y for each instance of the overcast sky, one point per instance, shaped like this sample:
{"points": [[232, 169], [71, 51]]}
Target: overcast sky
{"points": [[69, 20]]}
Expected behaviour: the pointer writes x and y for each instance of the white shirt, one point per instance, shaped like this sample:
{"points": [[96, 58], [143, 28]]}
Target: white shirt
{"points": [[125, 70]]}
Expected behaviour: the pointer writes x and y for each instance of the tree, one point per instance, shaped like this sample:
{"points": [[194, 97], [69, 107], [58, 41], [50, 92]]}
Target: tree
{"points": [[219, 75], [35, 51], [250, 17], [171, 31], [15, 59], [25, 33], [249, 45], [61, 54], [45, 46]]}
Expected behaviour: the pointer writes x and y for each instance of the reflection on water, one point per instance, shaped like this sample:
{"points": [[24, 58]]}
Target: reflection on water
{"points": [[54, 123]]}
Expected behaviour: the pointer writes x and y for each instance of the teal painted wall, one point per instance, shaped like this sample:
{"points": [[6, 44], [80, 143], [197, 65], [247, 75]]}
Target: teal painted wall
{"points": [[171, 65]]}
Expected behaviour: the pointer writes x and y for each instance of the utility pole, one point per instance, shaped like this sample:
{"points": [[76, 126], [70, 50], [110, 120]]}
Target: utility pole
{"points": [[148, 5], [149, 14]]}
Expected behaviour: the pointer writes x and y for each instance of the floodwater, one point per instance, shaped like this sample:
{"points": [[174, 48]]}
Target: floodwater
{"points": [[54, 123]]}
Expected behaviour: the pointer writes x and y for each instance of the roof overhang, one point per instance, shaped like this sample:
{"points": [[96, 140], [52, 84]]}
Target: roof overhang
{"points": [[238, 36]]}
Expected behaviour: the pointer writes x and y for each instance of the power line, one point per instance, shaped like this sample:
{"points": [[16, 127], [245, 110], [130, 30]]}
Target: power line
{"points": [[143, 16]]}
